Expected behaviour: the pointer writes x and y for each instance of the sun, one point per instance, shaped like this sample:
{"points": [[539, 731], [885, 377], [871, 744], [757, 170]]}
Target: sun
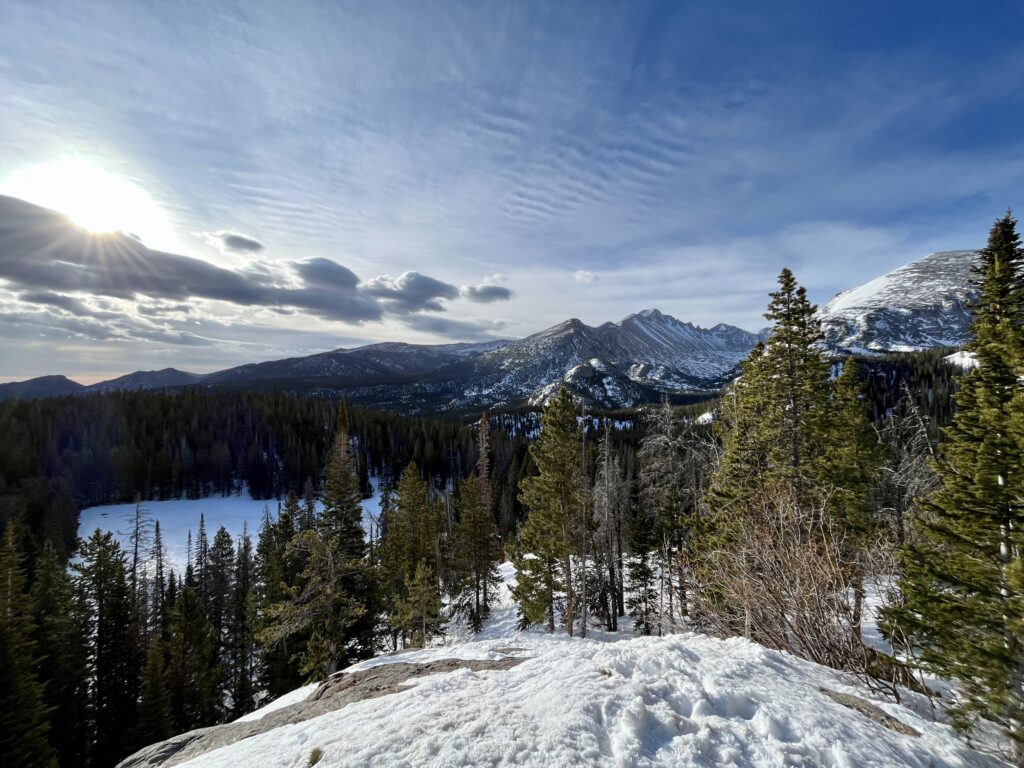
{"points": [[92, 197]]}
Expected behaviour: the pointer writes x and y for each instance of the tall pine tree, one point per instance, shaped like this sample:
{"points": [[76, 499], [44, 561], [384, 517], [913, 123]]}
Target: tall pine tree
{"points": [[964, 605], [543, 555]]}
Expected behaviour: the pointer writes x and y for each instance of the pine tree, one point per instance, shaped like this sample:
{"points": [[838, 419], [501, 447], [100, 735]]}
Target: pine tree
{"points": [[546, 540], [476, 553], [154, 723], [849, 463], [773, 417], [24, 723], [193, 671], [62, 664], [113, 662], [242, 651], [963, 602], [218, 600], [322, 605]]}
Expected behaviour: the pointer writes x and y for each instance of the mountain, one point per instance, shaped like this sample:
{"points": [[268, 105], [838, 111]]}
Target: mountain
{"points": [[44, 386], [57, 386], [920, 305], [162, 379], [643, 357], [613, 365]]}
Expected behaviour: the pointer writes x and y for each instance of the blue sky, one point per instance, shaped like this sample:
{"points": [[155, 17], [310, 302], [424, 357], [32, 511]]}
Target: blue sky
{"points": [[534, 160]]}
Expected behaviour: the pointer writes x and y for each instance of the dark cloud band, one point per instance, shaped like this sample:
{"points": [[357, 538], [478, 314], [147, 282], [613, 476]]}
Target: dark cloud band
{"points": [[44, 257]]}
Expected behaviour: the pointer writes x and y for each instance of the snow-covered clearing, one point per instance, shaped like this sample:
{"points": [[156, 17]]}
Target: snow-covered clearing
{"points": [[609, 700], [179, 516]]}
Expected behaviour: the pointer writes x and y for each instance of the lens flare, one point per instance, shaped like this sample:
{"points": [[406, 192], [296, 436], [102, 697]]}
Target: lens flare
{"points": [[93, 198]]}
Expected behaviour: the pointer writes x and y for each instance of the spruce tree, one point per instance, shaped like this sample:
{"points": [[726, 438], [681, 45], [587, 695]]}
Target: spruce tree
{"points": [[774, 416], [59, 634], [850, 460], [543, 555], [476, 553], [963, 604], [221, 577], [321, 606], [241, 649], [278, 666], [113, 662], [154, 722], [420, 612], [24, 722], [642, 602], [342, 514], [193, 671], [413, 534]]}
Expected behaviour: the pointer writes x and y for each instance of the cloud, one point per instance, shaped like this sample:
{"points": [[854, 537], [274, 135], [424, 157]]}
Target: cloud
{"points": [[43, 258], [234, 242], [326, 273], [58, 300], [584, 276], [485, 294], [410, 292], [472, 330]]}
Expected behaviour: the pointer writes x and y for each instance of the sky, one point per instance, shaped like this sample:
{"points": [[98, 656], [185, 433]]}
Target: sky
{"points": [[259, 180]]}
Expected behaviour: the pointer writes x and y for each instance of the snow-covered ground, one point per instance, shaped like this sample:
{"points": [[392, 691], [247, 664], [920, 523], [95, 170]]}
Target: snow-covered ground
{"points": [[609, 700], [966, 360], [179, 516]]}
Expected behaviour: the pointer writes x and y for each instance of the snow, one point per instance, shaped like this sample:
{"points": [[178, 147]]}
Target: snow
{"points": [[708, 417], [965, 360], [609, 700], [179, 516], [920, 305], [293, 697]]}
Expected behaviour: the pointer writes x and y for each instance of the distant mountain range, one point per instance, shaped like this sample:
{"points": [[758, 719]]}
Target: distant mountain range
{"points": [[648, 354]]}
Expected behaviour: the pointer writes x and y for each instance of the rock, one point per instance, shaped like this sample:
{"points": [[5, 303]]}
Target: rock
{"points": [[337, 691]]}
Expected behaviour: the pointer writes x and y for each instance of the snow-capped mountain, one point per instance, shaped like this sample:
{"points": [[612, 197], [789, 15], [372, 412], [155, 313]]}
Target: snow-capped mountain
{"points": [[920, 305], [612, 365]]}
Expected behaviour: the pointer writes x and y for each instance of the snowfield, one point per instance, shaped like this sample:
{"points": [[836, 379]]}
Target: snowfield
{"points": [[609, 700], [178, 517], [683, 700]]}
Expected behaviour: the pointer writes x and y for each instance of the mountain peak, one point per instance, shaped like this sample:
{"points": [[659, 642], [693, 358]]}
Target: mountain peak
{"points": [[924, 303]]}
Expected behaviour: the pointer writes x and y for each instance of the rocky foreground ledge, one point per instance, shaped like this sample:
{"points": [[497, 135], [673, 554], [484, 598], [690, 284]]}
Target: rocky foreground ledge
{"points": [[332, 694]]}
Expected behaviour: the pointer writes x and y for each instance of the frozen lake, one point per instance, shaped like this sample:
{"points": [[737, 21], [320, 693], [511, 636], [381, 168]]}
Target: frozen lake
{"points": [[179, 516]]}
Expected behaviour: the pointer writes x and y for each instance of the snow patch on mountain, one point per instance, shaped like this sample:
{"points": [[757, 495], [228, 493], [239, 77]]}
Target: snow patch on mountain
{"points": [[921, 305]]}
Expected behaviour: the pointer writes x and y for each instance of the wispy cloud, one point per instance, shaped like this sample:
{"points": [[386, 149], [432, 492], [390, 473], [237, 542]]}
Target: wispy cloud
{"points": [[677, 152]]}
